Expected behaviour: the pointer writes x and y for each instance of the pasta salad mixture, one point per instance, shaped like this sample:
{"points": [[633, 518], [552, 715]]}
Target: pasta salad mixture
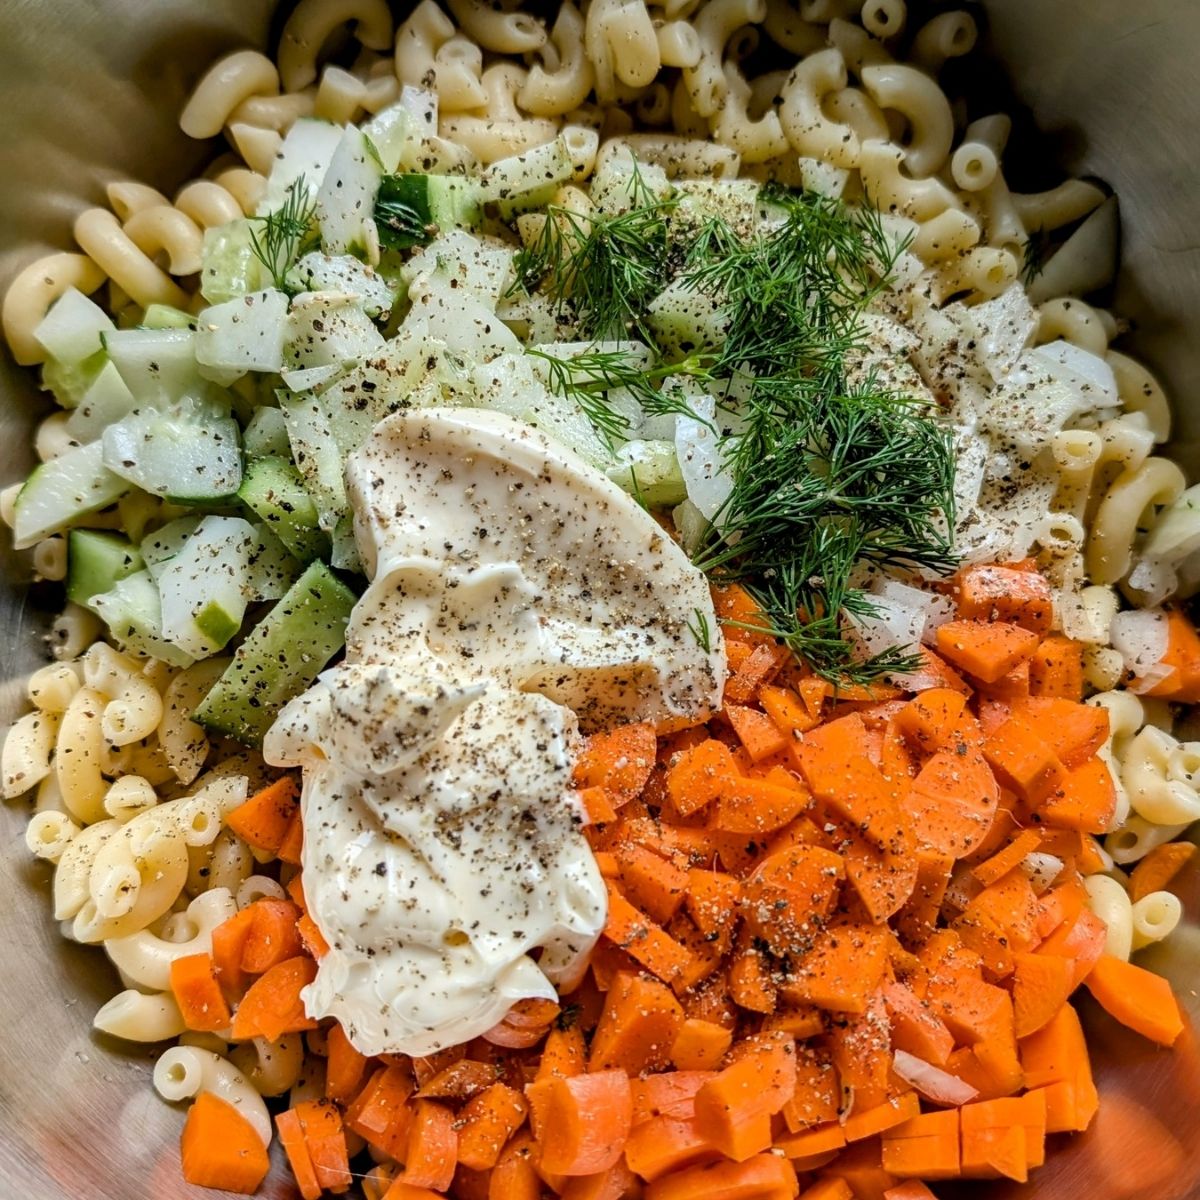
{"points": [[624, 626]]}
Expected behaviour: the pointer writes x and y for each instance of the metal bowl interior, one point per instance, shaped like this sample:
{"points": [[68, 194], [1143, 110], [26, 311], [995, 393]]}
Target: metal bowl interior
{"points": [[89, 91]]}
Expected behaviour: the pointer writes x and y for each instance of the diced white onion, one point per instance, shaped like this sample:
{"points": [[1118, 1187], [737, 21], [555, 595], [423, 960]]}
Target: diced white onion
{"points": [[932, 1082], [1140, 636], [1042, 870]]}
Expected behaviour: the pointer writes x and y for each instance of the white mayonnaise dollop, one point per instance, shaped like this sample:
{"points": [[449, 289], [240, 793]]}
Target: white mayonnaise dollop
{"points": [[517, 596]]}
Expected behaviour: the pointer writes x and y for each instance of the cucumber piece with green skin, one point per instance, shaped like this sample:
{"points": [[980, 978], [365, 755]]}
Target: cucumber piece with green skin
{"points": [[132, 610], [410, 210], [347, 194], [266, 433], [157, 365], [166, 316], [316, 455], [69, 381], [272, 568], [190, 453], [204, 586], [96, 560], [275, 491], [158, 548], [229, 264], [280, 657], [243, 335], [61, 492]]}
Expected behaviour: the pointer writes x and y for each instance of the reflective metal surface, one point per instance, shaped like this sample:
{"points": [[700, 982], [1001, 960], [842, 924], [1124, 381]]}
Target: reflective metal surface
{"points": [[88, 93]]}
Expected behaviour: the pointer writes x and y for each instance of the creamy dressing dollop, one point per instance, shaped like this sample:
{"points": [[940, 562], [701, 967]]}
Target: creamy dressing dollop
{"points": [[516, 597]]}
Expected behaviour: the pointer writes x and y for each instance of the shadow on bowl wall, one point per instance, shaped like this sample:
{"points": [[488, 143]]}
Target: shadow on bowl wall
{"points": [[89, 93]]}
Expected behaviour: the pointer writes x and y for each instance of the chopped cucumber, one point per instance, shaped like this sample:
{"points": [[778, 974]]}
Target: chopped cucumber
{"points": [[413, 208], [157, 365], [527, 181], [307, 151], [96, 560], [272, 569], [685, 320], [266, 433], [74, 328], [63, 491], [316, 379], [165, 316], [203, 587], [245, 334], [346, 198], [345, 556], [649, 471], [481, 266], [274, 490], [188, 453], [280, 657], [70, 381], [328, 329], [161, 546], [393, 132], [316, 454], [318, 272], [132, 610], [230, 266]]}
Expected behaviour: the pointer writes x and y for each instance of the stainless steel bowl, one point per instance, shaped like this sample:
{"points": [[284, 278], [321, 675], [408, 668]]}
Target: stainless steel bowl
{"points": [[89, 90]]}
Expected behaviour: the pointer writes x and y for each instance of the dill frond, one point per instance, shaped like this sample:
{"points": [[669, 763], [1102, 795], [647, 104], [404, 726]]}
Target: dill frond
{"points": [[701, 631], [284, 236]]}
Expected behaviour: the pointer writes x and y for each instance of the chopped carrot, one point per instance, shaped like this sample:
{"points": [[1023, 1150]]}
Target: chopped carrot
{"points": [[1024, 761], [1081, 940], [953, 802], [1074, 731], [860, 1044], [1041, 985], [458, 1081], [272, 936], [311, 938], [750, 982], [273, 1005], [227, 941], [786, 708], [1137, 998], [619, 761], [291, 1138], [291, 849], [344, 1066], [432, 1151], [712, 898], [1056, 669], [1055, 1061], [651, 883], [831, 1188], [485, 1124], [638, 1026], [635, 933], [581, 1122], [763, 1177], [661, 1145], [564, 1052], [699, 1045], [787, 890], [925, 1147], [993, 1142], [514, 1176], [698, 776], [992, 869], [741, 617], [380, 1113], [861, 1166], [986, 650], [928, 721], [198, 994], [731, 1106], [841, 971], [667, 1094], [321, 1121], [263, 820], [800, 1020], [910, 1189], [748, 805], [988, 593], [812, 1143], [616, 1183], [220, 1148], [816, 1097], [1159, 868], [864, 1123], [597, 805], [761, 667], [915, 1026]]}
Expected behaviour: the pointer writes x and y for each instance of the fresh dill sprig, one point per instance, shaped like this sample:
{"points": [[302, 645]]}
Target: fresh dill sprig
{"points": [[286, 234], [701, 631], [829, 471], [606, 268], [589, 376], [1037, 250]]}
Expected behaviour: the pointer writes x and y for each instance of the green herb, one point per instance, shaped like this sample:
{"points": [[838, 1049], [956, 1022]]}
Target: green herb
{"points": [[400, 225], [607, 269], [1037, 250], [701, 631], [829, 472], [589, 376], [635, 489], [286, 234]]}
